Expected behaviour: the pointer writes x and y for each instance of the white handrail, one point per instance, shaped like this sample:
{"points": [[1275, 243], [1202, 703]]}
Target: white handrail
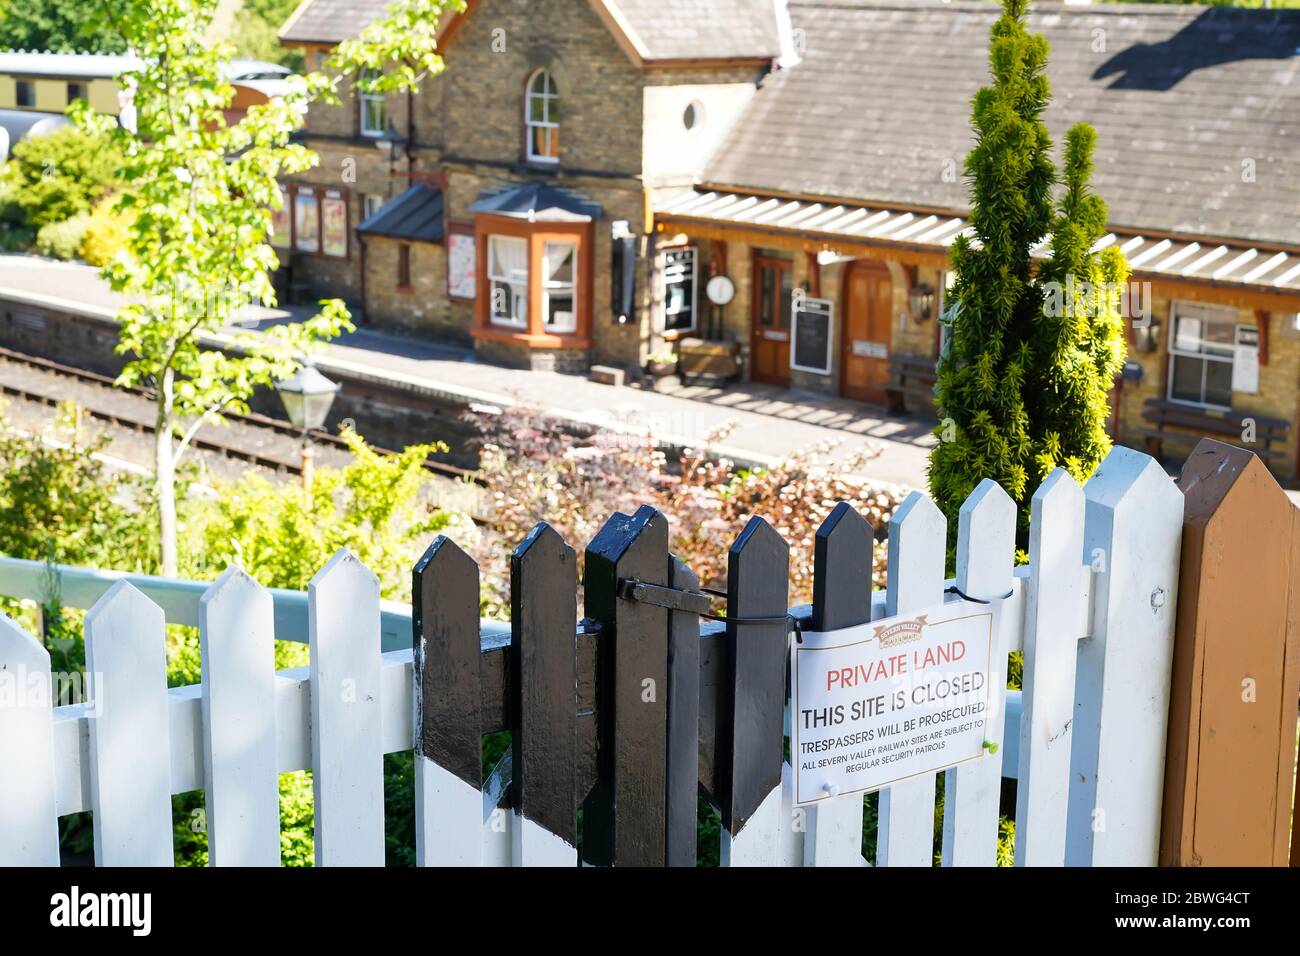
{"points": [[82, 587]]}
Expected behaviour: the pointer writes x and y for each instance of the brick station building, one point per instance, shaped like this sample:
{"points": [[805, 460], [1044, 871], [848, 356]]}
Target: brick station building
{"points": [[569, 186]]}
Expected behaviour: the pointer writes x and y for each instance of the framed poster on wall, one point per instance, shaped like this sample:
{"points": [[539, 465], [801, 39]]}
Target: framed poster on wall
{"points": [[462, 261], [334, 224], [306, 221]]}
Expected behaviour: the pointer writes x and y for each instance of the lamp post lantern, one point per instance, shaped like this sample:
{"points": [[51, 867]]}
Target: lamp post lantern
{"points": [[307, 397], [391, 144]]}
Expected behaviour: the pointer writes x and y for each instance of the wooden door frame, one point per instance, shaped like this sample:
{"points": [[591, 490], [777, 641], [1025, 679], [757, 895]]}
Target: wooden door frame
{"points": [[859, 265], [757, 260]]}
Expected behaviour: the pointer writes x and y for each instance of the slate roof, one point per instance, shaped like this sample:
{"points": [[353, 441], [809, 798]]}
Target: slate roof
{"points": [[701, 29], [661, 29], [330, 21], [538, 201], [1182, 98], [415, 215]]}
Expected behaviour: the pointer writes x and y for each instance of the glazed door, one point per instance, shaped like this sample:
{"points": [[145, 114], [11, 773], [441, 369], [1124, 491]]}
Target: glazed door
{"points": [[864, 348], [770, 339]]}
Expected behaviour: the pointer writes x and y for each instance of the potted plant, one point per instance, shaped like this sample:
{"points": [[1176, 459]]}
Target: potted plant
{"points": [[661, 363]]}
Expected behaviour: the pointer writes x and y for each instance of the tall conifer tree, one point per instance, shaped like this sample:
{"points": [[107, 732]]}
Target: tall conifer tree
{"points": [[1033, 348]]}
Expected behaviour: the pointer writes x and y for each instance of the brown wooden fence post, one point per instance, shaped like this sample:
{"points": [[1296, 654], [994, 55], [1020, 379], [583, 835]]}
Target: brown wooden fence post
{"points": [[1232, 710]]}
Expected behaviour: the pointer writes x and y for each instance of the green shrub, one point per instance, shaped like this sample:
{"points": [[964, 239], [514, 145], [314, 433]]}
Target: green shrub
{"points": [[58, 502], [376, 506], [62, 240], [61, 174], [106, 233]]}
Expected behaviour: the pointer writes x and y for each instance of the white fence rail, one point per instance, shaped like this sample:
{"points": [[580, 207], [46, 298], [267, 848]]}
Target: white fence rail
{"points": [[1093, 613]]}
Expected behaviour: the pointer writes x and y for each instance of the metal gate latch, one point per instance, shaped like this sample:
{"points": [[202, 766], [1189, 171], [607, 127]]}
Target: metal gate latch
{"points": [[695, 602], [674, 599]]}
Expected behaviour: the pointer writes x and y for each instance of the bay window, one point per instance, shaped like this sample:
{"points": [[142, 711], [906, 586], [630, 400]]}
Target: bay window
{"points": [[536, 278]]}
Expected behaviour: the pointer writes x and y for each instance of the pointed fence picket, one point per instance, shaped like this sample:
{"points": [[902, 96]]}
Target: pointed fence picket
{"points": [[29, 832], [346, 746], [1053, 612], [628, 713], [543, 601], [237, 650], [917, 547], [843, 555], [130, 747], [986, 552], [758, 575], [1132, 533], [447, 717]]}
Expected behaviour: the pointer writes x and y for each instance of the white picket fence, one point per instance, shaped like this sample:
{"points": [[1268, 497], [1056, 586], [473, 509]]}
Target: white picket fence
{"points": [[1093, 612]]}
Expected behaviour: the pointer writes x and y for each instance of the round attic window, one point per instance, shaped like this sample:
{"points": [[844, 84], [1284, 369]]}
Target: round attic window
{"points": [[693, 115]]}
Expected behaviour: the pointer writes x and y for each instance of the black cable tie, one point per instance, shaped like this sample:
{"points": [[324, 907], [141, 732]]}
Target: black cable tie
{"points": [[678, 599], [953, 589]]}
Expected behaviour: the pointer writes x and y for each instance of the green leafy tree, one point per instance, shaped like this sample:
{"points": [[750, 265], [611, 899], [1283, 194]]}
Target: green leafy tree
{"points": [[1032, 351], [202, 196], [57, 25]]}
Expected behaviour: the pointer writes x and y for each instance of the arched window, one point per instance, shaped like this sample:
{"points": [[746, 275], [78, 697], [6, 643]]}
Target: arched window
{"points": [[542, 119]]}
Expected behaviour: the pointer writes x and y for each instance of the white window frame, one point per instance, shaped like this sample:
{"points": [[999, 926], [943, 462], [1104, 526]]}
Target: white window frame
{"points": [[1229, 318], [371, 203], [366, 100], [548, 284], [695, 291], [549, 95], [513, 321]]}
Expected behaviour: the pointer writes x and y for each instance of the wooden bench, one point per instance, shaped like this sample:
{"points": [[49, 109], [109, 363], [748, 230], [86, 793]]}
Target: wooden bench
{"points": [[1226, 426], [909, 375]]}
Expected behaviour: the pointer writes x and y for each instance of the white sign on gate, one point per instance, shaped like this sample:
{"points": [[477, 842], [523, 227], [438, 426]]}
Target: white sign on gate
{"points": [[880, 702]]}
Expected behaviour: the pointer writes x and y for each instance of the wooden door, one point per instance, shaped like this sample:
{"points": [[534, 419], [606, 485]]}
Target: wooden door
{"points": [[865, 342], [770, 338]]}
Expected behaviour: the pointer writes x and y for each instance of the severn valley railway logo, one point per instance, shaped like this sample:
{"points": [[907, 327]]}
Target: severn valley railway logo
{"points": [[901, 632]]}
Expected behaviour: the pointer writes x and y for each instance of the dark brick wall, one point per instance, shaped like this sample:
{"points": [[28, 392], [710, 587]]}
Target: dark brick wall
{"points": [[388, 415]]}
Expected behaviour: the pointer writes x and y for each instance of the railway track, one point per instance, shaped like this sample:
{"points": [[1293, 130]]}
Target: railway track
{"points": [[282, 457]]}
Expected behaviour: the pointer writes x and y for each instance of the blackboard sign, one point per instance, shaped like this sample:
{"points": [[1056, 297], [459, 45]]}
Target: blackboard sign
{"points": [[811, 351]]}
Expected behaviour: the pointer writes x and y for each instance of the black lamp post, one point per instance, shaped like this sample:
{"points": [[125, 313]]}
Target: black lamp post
{"points": [[307, 397], [392, 144]]}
